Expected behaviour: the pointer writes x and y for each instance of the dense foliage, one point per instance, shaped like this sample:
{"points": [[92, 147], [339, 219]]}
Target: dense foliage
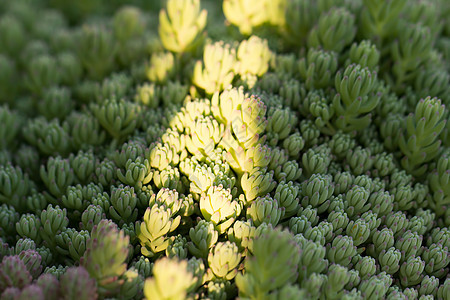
{"points": [[260, 149]]}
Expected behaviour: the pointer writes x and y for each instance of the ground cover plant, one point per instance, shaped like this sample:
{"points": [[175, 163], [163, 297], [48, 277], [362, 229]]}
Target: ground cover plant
{"points": [[251, 149]]}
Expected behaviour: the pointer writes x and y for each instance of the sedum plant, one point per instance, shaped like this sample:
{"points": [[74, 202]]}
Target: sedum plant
{"points": [[171, 280], [218, 72], [245, 14], [196, 149], [419, 144], [181, 25]]}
